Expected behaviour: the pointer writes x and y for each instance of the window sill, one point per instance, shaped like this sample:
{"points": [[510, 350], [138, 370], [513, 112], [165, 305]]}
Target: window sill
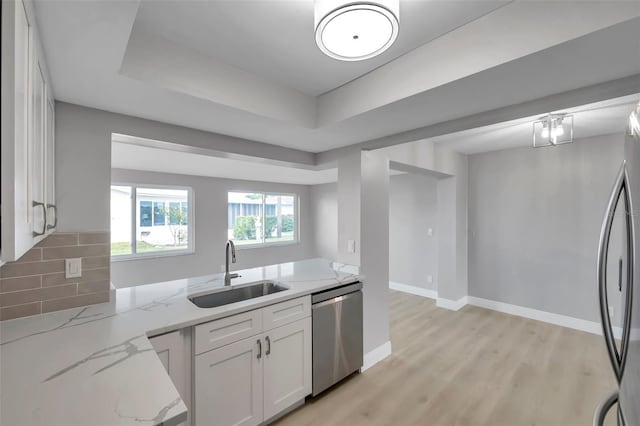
{"points": [[265, 245], [130, 257]]}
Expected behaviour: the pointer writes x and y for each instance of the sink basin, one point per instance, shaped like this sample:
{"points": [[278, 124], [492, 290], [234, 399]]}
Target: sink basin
{"points": [[237, 294]]}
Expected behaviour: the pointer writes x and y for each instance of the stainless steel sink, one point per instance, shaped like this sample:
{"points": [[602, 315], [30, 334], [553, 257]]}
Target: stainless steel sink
{"points": [[237, 294]]}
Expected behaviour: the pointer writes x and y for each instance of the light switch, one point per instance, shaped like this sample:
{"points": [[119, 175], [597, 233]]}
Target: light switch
{"points": [[430, 232], [73, 268], [351, 246]]}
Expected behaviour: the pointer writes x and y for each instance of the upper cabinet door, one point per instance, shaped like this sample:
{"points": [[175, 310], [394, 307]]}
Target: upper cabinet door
{"points": [[27, 156], [287, 366], [37, 148], [14, 126], [50, 166]]}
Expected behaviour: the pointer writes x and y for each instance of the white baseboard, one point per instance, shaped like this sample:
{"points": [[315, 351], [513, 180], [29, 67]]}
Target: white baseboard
{"points": [[453, 305], [535, 314], [521, 311], [373, 357], [405, 288]]}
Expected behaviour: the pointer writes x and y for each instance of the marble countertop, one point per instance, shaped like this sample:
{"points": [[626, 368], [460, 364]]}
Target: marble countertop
{"points": [[95, 365]]}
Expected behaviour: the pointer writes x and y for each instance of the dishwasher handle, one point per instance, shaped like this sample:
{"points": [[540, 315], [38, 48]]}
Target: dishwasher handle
{"points": [[336, 299], [330, 294]]}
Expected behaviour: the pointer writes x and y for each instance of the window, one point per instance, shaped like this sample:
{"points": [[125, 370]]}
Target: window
{"points": [[256, 218], [161, 216]]}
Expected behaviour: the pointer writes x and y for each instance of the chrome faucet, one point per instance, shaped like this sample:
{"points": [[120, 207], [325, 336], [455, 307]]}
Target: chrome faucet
{"points": [[227, 275]]}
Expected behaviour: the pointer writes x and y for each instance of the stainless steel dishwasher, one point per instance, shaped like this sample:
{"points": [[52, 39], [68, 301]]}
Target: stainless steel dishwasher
{"points": [[337, 335]]}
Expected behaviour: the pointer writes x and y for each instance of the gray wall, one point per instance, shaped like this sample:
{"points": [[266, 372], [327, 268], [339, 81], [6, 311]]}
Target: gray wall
{"points": [[451, 168], [374, 255], [210, 201], [324, 217], [83, 158], [413, 209], [534, 222], [349, 202]]}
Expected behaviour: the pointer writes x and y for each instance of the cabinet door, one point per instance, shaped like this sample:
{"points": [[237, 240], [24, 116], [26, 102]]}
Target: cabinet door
{"points": [[14, 128], [287, 366], [50, 165], [37, 146], [228, 384], [174, 351]]}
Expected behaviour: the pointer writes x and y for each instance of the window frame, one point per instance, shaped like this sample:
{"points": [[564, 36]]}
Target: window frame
{"points": [[134, 223], [296, 214]]}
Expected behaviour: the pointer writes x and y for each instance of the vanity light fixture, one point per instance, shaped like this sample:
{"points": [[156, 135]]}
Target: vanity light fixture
{"points": [[355, 30], [553, 129]]}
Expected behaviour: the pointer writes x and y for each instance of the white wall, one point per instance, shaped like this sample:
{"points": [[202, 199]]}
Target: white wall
{"points": [[324, 214], [534, 223], [413, 210], [210, 203]]}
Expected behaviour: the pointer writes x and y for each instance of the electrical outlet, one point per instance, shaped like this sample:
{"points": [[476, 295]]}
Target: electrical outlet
{"points": [[429, 279], [611, 312], [430, 232], [73, 267]]}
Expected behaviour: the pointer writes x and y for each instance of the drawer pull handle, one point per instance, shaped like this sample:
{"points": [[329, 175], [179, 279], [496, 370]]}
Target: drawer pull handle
{"points": [[268, 352], [259, 342]]}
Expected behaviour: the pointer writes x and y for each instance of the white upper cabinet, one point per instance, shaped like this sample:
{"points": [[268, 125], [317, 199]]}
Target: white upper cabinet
{"points": [[27, 120], [50, 164]]}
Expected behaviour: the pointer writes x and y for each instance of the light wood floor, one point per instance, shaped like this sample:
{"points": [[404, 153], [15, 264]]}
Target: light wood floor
{"points": [[471, 367]]}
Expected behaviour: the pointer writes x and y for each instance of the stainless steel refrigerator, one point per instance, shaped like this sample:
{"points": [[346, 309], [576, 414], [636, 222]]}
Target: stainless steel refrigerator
{"points": [[625, 353]]}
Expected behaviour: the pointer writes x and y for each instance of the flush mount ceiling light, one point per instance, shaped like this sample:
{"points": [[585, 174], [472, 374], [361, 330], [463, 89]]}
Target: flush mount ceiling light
{"points": [[354, 31], [553, 129]]}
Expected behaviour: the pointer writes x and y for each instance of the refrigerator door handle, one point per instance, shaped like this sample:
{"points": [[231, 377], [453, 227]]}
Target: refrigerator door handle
{"points": [[603, 408], [620, 275], [620, 188]]}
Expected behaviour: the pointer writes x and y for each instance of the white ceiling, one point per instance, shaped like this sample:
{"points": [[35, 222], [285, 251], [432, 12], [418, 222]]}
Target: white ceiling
{"points": [[607, 117], [274, 39], [601, 118], [207, 52]]}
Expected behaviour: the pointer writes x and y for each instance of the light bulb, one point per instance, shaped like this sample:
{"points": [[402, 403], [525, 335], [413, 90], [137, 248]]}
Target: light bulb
{"points": [[545, 132]]}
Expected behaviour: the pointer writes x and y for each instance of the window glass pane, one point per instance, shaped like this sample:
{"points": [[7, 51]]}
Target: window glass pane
{"points": [[145, 213], [184, 206], [244, 224], [167, 210], [280, 218], [174, 213], [158, 214], [120, 220]]}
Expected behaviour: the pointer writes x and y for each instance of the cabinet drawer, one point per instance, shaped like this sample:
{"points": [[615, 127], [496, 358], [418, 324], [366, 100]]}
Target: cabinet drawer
{"points": [[221, 332], [286, 312]]}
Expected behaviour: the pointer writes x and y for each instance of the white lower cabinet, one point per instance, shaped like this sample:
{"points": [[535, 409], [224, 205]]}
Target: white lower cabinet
{"points": [[287, 366], [174, 351], [252, 380], [228, 386]]}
